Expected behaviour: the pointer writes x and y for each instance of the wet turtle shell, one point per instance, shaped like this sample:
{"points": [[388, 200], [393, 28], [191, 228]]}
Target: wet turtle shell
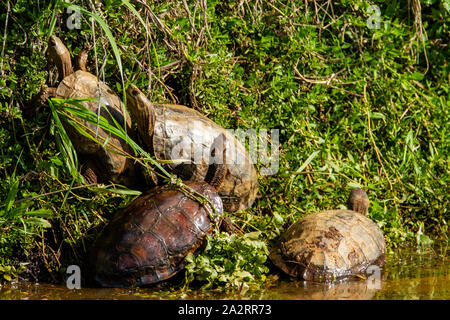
{"points": [[329, 245], [147, 241], [185, 136], [100, 163]]}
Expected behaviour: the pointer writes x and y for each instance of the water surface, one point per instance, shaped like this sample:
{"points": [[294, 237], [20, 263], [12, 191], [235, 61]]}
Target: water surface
{"points": [[410, 273]]}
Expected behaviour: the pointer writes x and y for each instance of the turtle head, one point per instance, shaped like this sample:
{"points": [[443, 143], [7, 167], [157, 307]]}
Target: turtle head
{"points": [[136, 98], [358, 201], [60, 56], [142, 112], [81, 60]]}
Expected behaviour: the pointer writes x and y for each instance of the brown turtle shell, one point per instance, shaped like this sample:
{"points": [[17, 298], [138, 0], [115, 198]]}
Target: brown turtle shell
{"points": [[183, 133], [329, 245], [109, 160], [147, 241]]}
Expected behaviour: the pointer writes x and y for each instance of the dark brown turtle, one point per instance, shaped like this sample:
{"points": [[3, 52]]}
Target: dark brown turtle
{"points": [[147, 241], [174, 132], [100, 163], [331, 244]]}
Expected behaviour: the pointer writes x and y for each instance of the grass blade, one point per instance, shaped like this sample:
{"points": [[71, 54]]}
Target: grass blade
{"points": [[308, 161], [65, 145], [134, 11], [13, 188], [108, 34], [76, 110]]}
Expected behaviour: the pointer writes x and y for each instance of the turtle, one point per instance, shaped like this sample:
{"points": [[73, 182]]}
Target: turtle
{"points": [[99, 162], [184, 136], [331, 245], [146, 241]]}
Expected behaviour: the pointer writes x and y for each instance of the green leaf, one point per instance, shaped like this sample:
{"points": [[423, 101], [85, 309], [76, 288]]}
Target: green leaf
{"points": [[308, 161], [417, 76], [13, 188], [117, 191], [377, 115], [39, 213], [38, 222]]}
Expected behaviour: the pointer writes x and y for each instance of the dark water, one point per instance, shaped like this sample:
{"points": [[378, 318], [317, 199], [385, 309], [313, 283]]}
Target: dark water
{"points": [[410, 273]]}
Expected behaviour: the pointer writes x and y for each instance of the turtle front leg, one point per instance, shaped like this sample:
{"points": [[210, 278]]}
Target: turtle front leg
{"points": [[89, 175], [45, 94], [227, 226], [35, 104], [90, 172], [150, 177]]}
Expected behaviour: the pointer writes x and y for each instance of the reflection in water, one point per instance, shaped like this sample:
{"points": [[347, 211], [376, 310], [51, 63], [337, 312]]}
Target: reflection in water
{"points": [[348, 290], [417, 273], [410, 273]]}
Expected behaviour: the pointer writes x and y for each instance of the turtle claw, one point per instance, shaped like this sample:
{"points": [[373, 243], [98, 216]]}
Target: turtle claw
{"points": [[33, 107], [227, 226], [150, 177]]}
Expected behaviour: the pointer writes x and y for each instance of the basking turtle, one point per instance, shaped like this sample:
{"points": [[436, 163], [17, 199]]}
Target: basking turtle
{"points": [[331, 244], [100, 163], [174, 132], [146, 242]]}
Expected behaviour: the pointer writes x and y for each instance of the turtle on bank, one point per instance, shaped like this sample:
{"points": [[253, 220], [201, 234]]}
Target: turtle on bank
{"points": [[99, 163], [332, 244], [174, 132], [146, 242]]}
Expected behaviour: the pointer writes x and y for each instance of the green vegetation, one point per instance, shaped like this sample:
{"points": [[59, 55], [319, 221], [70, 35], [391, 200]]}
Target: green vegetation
{"points": [[354, 105]]}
